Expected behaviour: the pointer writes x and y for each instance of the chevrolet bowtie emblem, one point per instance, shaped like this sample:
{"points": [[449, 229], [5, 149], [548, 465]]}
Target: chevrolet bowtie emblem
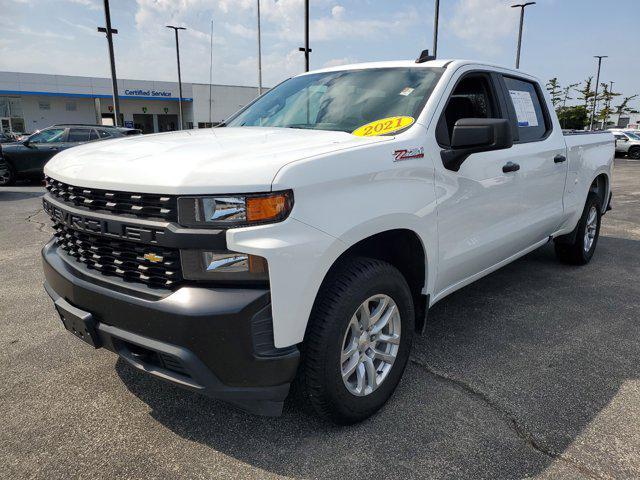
{"points": [[153, 258]]}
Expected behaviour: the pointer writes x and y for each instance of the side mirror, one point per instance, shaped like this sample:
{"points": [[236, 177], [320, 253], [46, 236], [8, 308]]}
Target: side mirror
{"points": [[474, 135], [26, 143]]}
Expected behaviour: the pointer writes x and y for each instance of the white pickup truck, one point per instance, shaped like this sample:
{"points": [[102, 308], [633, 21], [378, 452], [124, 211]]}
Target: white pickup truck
{"points": [[307, 237]]}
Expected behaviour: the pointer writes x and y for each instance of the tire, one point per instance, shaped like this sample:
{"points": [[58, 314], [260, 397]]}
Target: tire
{"points": [[575, 252], [634, 153], [7, 173], [332, 330]]}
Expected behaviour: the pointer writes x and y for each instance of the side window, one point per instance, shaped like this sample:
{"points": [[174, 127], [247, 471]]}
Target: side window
{"points": [[532, 123], [473, 97], [78, 135], [104, 134], [93, 136]]}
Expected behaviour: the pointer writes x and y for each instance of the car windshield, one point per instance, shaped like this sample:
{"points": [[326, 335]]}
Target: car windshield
{"points": [[633, 136], [51, 135], [342, 101]]}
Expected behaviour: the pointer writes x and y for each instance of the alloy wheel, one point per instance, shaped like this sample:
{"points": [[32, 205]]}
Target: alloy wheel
{"points": [[591, 228], [370, 345]]}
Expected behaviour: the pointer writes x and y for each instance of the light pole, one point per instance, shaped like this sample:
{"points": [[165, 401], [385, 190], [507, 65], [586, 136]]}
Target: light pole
{"points": [[595, 97], [175, 29], [435, 29], [114, 81], [306, 48], [522, 6], [210, 72], [259, 54]]}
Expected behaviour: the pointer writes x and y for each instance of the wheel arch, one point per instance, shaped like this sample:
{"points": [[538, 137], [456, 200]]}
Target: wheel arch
{"points": [[404, 249], [601, 187]]}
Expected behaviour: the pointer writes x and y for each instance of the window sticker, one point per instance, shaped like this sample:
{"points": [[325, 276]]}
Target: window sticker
{"points": [[383, 126], [525, 111], [407, 91]]}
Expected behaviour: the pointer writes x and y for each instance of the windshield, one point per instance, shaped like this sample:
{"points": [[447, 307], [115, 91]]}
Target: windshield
{"points": [[633, 136], [344, 101], [50, 135]]}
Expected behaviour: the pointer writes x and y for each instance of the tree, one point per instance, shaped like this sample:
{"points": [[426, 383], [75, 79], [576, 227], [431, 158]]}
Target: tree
{"points": [[624, 107], [587, 94], [573, 118], [565, 93], [605, 98], [555, 90]]}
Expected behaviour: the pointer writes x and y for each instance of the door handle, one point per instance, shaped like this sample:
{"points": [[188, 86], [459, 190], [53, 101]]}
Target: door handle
{"points": [[559, 158], [510, 167]]}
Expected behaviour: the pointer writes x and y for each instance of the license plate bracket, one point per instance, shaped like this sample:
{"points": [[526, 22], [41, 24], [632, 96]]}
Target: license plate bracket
{"points": [[78, 322]]}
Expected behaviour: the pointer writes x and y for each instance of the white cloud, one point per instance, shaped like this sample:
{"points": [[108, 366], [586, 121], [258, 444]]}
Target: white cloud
{"points": [[91, 4], [483, 24], [336, 62]]}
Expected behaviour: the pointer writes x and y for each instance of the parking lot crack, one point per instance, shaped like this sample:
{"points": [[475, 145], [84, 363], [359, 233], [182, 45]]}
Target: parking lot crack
{"points": [[31, 218], [506, 416]]}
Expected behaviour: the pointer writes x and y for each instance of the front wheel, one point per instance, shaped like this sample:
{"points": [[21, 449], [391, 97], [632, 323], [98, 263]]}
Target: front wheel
{"points": [[358, 340], [635, 153], [585, 238], [7, 174]]}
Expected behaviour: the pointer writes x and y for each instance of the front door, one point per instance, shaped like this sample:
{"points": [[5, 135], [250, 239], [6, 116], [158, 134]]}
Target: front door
{"points": [[479, 205], [41, 147]]}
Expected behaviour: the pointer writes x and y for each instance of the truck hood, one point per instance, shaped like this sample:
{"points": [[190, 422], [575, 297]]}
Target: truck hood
{"points": [[218, 160]]}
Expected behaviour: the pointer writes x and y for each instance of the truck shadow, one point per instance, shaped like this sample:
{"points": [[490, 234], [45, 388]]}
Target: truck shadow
{"points": [[511, 370]]}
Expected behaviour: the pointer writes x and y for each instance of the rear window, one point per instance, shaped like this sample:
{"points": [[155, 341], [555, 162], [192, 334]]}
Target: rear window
{"points": [[530, 116]]}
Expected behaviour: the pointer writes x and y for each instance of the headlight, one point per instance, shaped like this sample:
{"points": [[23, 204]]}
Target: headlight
{"points": [[224, 267], [226, 211]]}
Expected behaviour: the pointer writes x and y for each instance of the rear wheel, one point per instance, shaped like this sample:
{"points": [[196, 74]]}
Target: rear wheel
{"points": [[585, 238], [7, 174], [634, 153], [358, 340]]}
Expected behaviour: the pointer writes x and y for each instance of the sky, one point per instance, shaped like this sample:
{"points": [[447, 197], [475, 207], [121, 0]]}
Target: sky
{"points": [[560, 37]]}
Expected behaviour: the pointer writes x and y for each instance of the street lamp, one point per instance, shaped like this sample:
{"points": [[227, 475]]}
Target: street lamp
{"points": [[114, 81], [175, 29], [522, 6], [435, 29], [595, 98], [259, 53], [306, 48]]}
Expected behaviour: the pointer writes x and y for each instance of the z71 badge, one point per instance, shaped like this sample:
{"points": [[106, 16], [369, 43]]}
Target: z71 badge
{"points": [[408, 154]]}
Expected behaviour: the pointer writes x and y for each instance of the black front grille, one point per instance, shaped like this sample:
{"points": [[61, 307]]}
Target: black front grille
{"points": [[142, 205], [154, 266]]}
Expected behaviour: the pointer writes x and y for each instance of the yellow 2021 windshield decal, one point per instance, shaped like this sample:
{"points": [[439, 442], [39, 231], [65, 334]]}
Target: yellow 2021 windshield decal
{"points": [[384, 126]]}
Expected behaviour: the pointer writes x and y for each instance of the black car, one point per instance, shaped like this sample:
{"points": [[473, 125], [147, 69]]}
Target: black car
{"points": [[26, 159], [7, 137]]}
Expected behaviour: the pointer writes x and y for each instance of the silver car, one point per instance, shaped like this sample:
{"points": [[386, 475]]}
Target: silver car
{"points": [[627, 142]]}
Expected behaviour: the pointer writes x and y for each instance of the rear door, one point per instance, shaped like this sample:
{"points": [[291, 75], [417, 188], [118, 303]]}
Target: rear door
{"points": [[540, 151]]}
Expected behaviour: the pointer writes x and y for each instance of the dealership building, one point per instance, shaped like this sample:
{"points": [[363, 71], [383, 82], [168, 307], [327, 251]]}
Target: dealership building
{"points": [[31, 101]]}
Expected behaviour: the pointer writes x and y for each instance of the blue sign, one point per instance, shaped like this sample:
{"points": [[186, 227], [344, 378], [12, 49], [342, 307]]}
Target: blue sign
{"points": [[128, 124]]}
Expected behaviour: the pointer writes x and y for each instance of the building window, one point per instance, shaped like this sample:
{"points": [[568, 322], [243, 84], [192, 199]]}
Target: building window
{"points": [[71, 107], [10, 107], [44, 105]]}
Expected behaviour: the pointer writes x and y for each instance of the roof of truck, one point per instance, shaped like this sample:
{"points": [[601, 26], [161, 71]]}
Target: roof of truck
{"points": [[439, 63]]}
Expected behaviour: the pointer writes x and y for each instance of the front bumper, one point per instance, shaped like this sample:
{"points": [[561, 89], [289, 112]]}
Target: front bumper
{"points": [[217, 341]]}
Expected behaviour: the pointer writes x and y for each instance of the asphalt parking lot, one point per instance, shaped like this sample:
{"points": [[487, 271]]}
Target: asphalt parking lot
{"points": [[532, 371]]}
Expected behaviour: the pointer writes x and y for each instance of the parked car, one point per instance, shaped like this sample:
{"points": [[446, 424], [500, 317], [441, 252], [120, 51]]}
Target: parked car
{"points": [[26, 159], [311, 233], [627, 142], [7, 137]]}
